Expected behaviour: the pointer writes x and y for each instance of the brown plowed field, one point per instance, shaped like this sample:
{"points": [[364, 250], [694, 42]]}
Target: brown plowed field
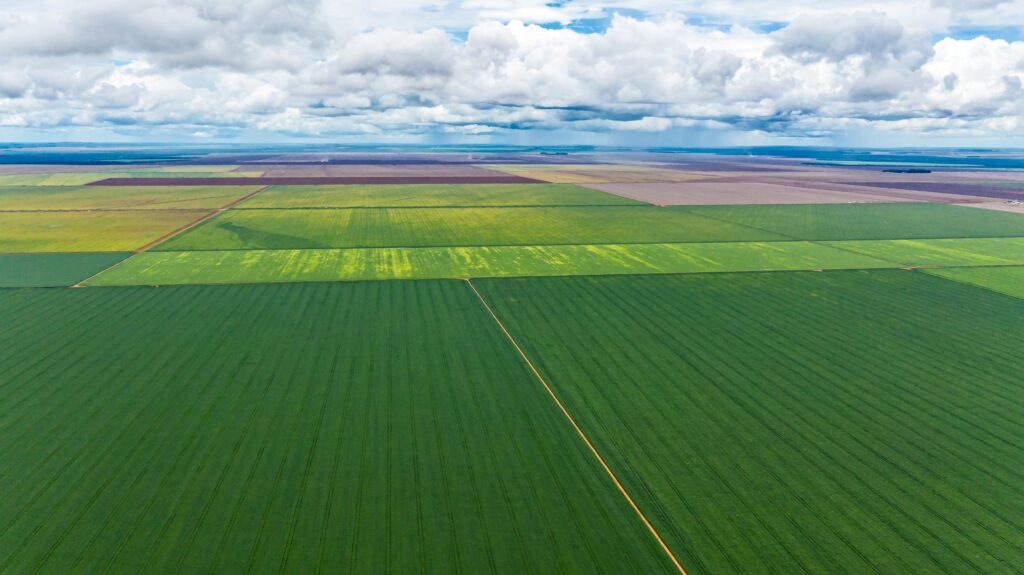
{"points": [[374, 170]]}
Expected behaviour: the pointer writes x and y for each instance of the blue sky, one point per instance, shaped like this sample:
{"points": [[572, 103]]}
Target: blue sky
{"points": [[641, 72]]}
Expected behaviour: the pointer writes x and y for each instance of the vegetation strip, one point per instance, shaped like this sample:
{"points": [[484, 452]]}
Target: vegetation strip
{"points": [[477, 226], [575, 426], [255, 266], [434, 195]]}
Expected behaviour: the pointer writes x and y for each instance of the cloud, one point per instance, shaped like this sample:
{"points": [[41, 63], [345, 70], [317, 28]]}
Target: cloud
{"points": [[487, 67]]}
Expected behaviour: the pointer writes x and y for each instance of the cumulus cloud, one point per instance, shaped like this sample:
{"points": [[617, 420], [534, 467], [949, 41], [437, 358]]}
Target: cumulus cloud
{"points": [[487, 67]]}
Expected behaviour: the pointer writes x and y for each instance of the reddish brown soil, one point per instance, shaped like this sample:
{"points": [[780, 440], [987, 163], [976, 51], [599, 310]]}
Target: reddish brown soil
{"points": [[371, 170], [313, 181]]}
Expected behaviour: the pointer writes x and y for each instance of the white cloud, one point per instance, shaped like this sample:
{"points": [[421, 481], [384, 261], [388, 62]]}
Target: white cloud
{"points": [[217, 67]]}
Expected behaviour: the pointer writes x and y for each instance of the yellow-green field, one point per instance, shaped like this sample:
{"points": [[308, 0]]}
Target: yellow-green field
{"points": [[114, 231], [256, 266], [941, 252], [119, 197], [433, 195]]}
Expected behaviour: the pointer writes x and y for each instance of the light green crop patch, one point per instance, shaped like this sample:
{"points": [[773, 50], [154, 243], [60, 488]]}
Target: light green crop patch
{"points": [[868, 221], [433, 195], [941, 252], [1008, 280], [255, 266], [119, 197], [83, 178], [422, 227]]}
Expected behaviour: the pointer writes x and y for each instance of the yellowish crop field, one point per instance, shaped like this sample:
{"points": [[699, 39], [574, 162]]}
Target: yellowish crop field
{"points": [[113, 231]]}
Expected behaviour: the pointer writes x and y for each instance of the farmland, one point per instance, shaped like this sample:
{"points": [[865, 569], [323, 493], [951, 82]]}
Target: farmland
{"points": [[1008, 280], [82, 178], [502, 361], [796, 422], [433, 195], [88, 231], [52, 270], [42, 198], [254, 266], [285, 448], [941, 252], [868, 221], [407, 227]]}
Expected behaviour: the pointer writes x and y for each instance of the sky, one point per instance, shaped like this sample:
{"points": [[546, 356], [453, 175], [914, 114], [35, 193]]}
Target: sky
{"points": [[593, 72]]}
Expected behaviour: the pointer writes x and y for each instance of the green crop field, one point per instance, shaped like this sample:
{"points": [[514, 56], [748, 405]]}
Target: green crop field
{"points": [[941, 252], [238, 428], [88, 231], [868, 221], [119, 197], [51, 270], [459, 378], [410, 227], [841, 422], [1008, 280], [433, 195], [254, 266]]}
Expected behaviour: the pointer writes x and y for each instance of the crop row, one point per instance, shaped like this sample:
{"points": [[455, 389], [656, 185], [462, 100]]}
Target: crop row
{"points": [[255, 266], [844, 422], [374, 427]]}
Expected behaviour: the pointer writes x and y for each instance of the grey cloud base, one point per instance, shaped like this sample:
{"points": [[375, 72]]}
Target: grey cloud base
{"points": [[309, 68]]}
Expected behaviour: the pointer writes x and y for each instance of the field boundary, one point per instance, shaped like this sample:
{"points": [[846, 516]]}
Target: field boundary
{"points": [[206, 217], [923, 271], [176, 232], [579, 431]]}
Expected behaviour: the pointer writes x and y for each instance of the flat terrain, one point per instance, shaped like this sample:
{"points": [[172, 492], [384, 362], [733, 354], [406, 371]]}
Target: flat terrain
{"points": [[941, 252], [409, 227], [503, 360], [255, 266], [596, 173], [101, 198], [717, 192], [868, 221], [244, 180], [382, 169], [433, 195], [255, 435], [796, 422], [82, 178], [113, 231], [52, 270], [1007, 280]]}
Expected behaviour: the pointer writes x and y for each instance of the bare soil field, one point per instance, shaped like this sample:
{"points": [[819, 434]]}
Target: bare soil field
{"points": [[1000, 206], [958, 188], [600, 173], [715, 192], [314, 181], [433, 170]]}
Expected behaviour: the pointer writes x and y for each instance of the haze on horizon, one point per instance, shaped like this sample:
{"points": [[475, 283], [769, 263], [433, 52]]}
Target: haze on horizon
{"points": [[627, 72]]}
